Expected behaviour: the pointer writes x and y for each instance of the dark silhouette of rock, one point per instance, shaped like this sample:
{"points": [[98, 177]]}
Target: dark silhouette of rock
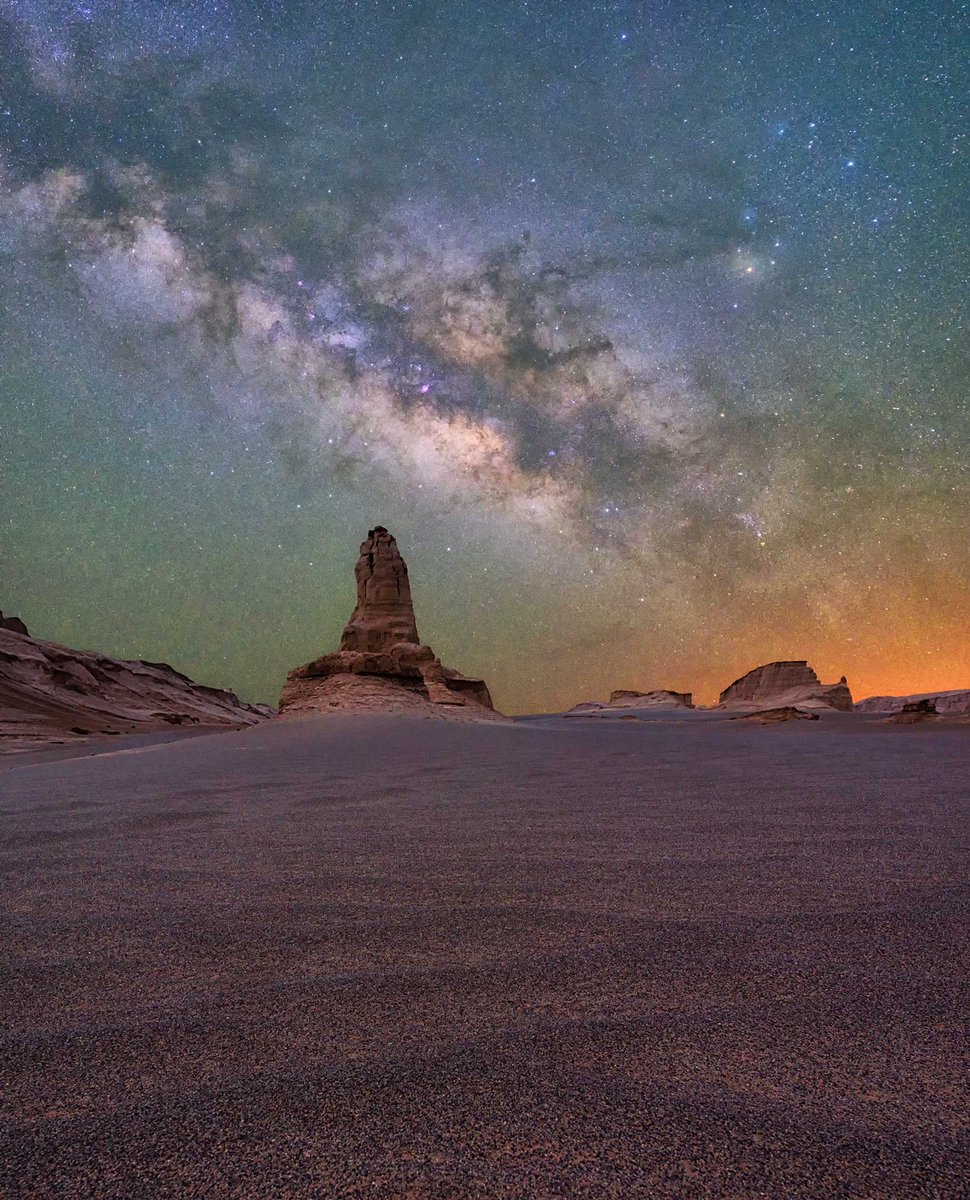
{"points": [[952, 703], [14, 624], [381, 665], [624, 698], [50, 692], [915, 712], [775, 716], [783, 684]]}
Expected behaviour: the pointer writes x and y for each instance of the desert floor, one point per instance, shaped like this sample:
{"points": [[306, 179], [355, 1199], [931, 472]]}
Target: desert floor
{"points": [[374, 957]]}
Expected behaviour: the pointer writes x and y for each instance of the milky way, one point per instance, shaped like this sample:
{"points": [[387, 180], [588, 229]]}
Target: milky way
{"points": [[638, 324]]}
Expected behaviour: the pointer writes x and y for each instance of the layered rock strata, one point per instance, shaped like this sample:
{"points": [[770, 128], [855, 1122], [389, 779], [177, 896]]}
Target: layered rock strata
{"points": [[785, 684], [381, 665], [50, 692]]}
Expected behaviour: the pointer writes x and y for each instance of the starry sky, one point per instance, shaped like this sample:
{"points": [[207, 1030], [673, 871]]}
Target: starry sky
{"points": [[638, 324]]}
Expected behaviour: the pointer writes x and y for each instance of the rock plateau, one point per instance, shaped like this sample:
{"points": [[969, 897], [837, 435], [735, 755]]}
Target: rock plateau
{"points": [[50, 692], [381, 665], [782, 685]]}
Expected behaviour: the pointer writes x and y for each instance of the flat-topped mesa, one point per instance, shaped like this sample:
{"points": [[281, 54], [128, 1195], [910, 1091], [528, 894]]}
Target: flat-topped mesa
{"points": [[381, 666], [384, 614], [785, 683]]}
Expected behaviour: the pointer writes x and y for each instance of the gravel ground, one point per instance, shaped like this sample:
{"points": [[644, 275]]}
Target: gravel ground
{"points": [[375, 957]]}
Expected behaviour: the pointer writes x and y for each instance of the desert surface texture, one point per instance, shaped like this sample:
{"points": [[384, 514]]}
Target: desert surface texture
{"points": [[668, 955]]}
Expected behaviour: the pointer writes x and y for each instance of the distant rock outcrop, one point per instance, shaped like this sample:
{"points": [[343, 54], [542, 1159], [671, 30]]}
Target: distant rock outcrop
{"points": [[915, 713], [785, 684], [660, 698], [625, 699], [953, 703], [775, 716], [381, 666], [50, 692]]}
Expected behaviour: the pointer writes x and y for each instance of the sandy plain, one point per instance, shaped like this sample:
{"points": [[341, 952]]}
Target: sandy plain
{"points": [[675, 956]]}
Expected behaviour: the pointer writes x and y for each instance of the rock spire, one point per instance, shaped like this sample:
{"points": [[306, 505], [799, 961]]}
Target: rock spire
{"points": [[381, 666], [384, 614]]}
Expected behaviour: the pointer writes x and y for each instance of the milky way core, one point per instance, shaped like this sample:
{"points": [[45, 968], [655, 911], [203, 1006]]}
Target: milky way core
{"points": [[639, 325]]}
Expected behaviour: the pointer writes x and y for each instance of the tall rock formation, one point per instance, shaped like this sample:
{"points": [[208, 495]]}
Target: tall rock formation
{"points": [[384, 614], [381, 665], [781, 684]]}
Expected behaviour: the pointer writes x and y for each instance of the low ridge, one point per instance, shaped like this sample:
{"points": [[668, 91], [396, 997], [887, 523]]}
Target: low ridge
{"points": [[623, 698], [50, 692], [951, 703]]}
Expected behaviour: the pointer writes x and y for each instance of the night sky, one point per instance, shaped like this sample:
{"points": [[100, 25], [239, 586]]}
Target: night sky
{"points": [[639, 325]]}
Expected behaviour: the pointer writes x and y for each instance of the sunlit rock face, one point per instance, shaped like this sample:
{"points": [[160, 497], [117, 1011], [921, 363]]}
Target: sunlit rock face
{"points": [[781, 684], [381, 666]]}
